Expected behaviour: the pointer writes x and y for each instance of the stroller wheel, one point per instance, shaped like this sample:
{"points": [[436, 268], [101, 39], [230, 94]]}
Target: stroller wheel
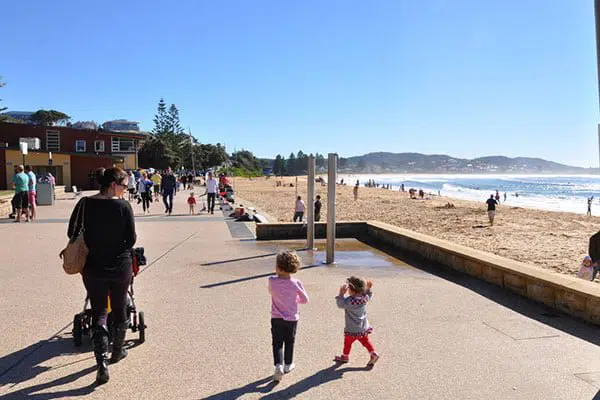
{"points": [[142, 327], [77, 330]]}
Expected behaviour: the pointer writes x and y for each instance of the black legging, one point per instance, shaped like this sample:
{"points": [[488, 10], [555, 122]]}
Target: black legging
{"points": [[98, 290], [211, 201], [146, 200]]}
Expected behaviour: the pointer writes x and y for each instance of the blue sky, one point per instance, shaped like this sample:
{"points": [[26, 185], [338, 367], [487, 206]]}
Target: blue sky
{"points": [[464, 77]]}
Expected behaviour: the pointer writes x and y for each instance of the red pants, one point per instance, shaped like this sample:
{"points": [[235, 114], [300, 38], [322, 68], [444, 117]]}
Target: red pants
{"points": [[364, 340]]}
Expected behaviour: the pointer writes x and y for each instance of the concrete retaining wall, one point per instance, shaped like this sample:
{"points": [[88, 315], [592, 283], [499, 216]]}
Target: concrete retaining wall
{"points": [[569, 294], [288, 231]]}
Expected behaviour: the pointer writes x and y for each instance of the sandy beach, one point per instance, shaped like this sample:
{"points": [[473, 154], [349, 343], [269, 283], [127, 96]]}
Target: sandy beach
{"points": [[551, 240]]}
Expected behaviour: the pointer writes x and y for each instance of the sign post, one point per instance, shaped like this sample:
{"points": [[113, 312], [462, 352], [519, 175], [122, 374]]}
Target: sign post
{"points": [[23, 146]]}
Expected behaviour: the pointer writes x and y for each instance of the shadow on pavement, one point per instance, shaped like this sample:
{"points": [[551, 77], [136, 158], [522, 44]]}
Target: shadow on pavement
{"points": [[26, 364], [264, 385], [246, 258], [250, 278], [323, 376], [527, 307]]}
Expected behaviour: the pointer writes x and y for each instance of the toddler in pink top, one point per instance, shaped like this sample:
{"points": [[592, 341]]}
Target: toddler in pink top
{"points": [[286, 293]]}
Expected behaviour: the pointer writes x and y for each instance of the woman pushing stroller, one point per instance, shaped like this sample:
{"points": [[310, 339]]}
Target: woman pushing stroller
{"points": [[109, 234]]}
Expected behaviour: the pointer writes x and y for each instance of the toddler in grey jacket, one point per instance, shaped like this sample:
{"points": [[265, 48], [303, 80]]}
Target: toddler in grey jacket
{"points": [[357, 325]]}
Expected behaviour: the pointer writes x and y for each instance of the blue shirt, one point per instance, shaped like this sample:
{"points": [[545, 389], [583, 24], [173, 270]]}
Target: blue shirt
{"points": [[32, 181], [21, 181]]}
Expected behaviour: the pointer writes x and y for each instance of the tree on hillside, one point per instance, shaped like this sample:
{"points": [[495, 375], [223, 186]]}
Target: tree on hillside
{"points": [[50, 117], [245, 160], [279, 165], [301, 163], [290, 165]]}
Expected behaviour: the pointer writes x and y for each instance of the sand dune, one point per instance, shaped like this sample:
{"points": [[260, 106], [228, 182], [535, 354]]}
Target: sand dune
{"points": [[552, 240]]}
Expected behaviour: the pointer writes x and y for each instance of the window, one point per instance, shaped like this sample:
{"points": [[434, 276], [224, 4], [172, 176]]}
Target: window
{"points": [[99, 146], [120, 145], [52, 140], [80, 146]]}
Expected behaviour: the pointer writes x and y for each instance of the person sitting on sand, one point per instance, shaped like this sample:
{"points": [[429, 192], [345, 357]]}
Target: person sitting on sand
{"points": [[491, 204], [586, 270]]}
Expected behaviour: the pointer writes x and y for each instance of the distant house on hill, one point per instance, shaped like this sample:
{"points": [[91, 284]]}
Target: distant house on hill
{"points": [[121, 125]]}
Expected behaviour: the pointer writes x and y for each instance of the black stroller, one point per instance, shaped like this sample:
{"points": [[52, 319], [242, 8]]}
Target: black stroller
{"points": [[82, 322]]}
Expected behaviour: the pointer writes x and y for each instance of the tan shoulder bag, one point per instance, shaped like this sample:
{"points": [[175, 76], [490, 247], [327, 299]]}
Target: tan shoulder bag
{"points": [[75, 254]]}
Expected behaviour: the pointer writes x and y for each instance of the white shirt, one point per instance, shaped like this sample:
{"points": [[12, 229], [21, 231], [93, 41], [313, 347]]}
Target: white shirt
{"points": [[211, 185], [300, 206]]}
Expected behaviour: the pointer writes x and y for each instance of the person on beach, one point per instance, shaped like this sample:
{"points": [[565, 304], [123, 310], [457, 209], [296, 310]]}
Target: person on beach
{"points": [[357, 325], [594, 252], [318, 209], [589, 209], [505, 197], [32, 195], [355, 191], [497, 197], [286, 293], [586, 270], [109, 235], [191, 202], [212, 186], [402, 187], [299, 209], [169, 185], [491, 208]]}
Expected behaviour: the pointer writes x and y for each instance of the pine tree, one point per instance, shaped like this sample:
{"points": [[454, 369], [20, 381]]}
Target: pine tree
{"points": [[161, 121], [291, 165], [173, 120]]}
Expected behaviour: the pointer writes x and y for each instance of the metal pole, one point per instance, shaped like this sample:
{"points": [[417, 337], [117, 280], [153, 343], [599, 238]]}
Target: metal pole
{"points": [[192, 151], [331, 179], [597, 19], [310, 230]]}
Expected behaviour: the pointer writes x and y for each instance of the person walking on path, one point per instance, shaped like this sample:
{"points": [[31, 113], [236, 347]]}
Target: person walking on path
{"points": [[491, 209], [212, 186], [156, 180], [131, 184], [20, 183], [109, 233], [357, 325], [286, 293], [299, 209], [169, 184], [32, 195], [145, 191], [318, 206]]}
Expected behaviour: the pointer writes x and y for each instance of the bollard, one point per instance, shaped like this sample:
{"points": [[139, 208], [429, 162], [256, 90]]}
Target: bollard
{"points": [[331, 179], [310, 202]]}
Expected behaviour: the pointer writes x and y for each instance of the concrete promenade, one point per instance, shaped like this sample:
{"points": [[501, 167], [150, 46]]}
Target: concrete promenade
{"points": [[440, 336]]}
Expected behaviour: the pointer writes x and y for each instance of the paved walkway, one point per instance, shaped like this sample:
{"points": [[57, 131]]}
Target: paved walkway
{"points": [[440, 336]]}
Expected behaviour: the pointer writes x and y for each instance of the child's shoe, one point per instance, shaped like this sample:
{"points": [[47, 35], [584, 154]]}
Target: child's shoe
{"points": [[278, 374], [341, 359], [373, 360], [289, 368]]}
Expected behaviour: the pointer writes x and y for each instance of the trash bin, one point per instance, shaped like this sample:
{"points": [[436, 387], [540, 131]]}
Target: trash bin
{"points": [[45, 194]]}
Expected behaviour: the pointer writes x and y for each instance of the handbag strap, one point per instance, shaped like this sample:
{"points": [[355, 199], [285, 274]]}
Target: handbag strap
{"points": [[81, 218]]}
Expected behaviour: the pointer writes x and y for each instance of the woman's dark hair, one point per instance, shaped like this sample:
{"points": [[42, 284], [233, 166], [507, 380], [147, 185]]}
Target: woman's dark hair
{"points": [[106, 176]]}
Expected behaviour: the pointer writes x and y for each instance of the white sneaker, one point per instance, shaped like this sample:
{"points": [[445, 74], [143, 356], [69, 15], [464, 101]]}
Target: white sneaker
{"points": [[278, 374], [289, 368]]}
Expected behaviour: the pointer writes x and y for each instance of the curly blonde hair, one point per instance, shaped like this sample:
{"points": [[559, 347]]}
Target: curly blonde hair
{"points": [[357, 285], [288, 261]]}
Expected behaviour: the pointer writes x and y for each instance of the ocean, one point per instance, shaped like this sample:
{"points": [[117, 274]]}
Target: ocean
{"points": [[545, 192]]}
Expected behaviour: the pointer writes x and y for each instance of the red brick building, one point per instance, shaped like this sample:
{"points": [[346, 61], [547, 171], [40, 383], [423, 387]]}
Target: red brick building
{"points": [[68, 153]]}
